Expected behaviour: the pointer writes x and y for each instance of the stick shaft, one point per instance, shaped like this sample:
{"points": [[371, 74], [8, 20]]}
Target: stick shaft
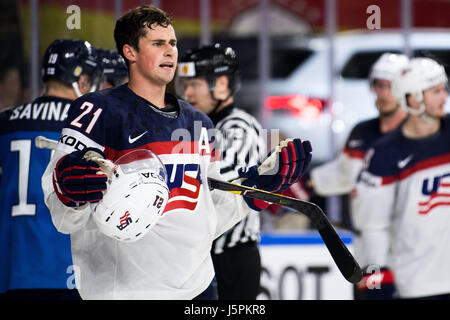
{"points": [[338, 250]]}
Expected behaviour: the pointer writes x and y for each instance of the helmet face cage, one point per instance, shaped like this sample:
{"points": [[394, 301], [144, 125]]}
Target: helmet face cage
{"points": [[209, 62], [66, 60]]}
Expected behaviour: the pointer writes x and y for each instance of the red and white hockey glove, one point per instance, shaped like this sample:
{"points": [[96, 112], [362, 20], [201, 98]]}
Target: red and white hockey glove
{"points": [[283, 167], [78, 180], [377, 284]]}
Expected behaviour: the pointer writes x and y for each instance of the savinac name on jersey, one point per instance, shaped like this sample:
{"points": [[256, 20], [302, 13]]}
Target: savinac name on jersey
{"points": [[50, 111]]}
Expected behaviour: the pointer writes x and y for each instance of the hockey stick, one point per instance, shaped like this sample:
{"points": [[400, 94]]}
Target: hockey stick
{"points": [[42, 142], [339, 252]]}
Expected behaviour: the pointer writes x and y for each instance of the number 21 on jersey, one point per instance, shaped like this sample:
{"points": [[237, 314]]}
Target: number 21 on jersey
{"points": [[87, 107]]}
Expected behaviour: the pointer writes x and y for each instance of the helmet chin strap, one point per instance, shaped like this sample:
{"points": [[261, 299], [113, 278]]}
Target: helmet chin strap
{"points": [[421, 113], [218, 101], [76, 88], [417, 112]]}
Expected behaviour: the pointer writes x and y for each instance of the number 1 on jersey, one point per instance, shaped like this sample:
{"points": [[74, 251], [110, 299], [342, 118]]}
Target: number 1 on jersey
{"points": [[23, 208]]}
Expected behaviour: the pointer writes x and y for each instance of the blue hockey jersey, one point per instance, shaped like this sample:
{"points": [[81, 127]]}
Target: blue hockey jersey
{"points": [[34, 254]]}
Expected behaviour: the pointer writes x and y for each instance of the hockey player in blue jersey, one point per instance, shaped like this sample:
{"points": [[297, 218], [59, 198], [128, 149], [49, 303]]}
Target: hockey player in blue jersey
{"points": [[115, 70], [404, 188], [172, 260], [36, 259]]}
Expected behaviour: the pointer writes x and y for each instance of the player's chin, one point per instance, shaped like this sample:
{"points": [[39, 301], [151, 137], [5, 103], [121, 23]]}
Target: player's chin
{"points": [[438, 114], [441, 114], [388, 109], [166, 77]]}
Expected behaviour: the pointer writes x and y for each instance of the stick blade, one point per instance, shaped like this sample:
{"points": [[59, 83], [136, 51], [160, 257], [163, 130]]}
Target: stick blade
{"points": [[344, 260]]}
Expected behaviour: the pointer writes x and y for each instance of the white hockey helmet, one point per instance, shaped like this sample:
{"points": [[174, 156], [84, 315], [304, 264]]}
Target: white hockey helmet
{"points": [[387, 66], [136, 196], [419, 75]]}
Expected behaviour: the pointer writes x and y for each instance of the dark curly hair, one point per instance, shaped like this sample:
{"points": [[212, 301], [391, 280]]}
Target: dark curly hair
{"points": [[131, 26]]}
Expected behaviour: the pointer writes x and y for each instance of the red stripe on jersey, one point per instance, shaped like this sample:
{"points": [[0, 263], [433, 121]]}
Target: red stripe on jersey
{"points": [[388, 180], [434, 205], [419, 166], [180, 204], [425, 164], [354, 153], [166, 147], [186, 192], [434, 195]]}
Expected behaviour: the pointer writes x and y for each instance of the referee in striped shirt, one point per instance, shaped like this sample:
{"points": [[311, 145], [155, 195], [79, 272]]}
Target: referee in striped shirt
{"points": [[208, 77]]}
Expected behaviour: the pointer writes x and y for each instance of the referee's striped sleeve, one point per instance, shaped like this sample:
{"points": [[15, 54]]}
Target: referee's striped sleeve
{"points": [[242, 143]]}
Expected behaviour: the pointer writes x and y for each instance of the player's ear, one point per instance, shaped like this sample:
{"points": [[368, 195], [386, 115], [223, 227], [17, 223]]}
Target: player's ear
{"points": [[84, 84], [129, 52], [221, 89], [222, 82]]}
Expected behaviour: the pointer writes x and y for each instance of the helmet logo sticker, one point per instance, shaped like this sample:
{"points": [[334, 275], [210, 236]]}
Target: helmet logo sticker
{"points": [[77, 71], [125, 220], [186, 69]]}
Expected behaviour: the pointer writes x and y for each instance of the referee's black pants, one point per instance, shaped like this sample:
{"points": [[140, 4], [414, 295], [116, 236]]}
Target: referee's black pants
{"points": [[238, 272]]}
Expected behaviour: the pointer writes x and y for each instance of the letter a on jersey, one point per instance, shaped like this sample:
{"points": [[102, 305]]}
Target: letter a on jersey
{"points": [[203, 142]]}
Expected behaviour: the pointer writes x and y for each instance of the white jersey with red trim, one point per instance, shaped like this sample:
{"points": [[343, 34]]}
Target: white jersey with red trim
{"points": [[173, 260], [406, 222], [339, 176]]}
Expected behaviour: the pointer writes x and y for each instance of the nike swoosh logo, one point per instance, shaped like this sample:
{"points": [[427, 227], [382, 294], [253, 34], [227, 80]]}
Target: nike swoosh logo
{"points": [[355, 143], [402, 163], [132, 140]]}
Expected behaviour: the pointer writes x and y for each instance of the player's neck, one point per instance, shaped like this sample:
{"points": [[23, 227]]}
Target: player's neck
{"points": [[225, 104], [65, 93], [152, 93], [416, 127], [392, 121]]}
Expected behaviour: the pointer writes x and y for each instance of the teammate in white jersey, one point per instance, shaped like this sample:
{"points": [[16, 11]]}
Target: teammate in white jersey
{"points": [[403, 191], [339, 176], [172, 261]]}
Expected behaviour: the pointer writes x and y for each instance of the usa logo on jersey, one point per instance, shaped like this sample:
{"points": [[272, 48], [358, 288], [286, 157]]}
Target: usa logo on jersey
{"points": [[184, 181], [437, 192]]}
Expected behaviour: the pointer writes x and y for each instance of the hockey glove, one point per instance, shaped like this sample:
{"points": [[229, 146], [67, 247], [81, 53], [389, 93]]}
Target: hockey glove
{"points": [[377, 285], [282, 168], [78, 180]]}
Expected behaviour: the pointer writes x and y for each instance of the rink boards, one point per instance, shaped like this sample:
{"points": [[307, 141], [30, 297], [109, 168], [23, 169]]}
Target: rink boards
{"points": [[298, 266]]}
